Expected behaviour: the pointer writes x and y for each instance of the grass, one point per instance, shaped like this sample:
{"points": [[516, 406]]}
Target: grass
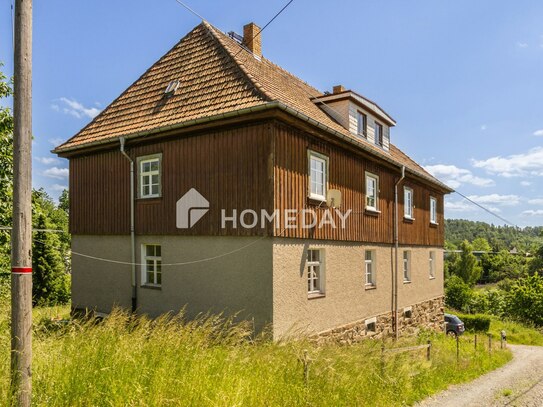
{"points": [[517, 333], [125, 361]]}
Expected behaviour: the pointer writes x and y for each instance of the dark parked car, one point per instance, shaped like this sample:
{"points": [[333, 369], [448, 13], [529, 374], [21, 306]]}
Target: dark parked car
{"points": [[454, 326]]}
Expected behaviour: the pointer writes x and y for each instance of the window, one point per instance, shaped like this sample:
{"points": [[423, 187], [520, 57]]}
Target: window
{"points": [[315, 283], [152, 264], [408, 312], [406, 266], [361, 123], [433, 210], [371, 324], [372, 191], [369, 264], [378, 134], [317, 176], [408, 203], [149, 176], [432, 264]]}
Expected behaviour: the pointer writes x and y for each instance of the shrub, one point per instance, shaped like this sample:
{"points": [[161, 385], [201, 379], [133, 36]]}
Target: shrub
{"points": [[476, 322], [525, 300], [457, 293]]}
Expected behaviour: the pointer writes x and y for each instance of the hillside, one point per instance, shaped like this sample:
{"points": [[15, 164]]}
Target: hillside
{"points": [[499, 237]]}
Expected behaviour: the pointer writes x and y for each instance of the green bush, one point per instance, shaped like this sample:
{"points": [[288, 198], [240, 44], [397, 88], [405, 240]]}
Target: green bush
{"points": [[525, 300], [476, 322], [457, 293]]}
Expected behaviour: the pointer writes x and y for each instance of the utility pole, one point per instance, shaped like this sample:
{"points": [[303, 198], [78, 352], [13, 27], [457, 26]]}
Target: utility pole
{"points": [[21, 236]]}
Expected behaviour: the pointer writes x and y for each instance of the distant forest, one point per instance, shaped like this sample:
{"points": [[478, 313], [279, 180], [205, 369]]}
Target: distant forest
{"points": [[527, 239]]}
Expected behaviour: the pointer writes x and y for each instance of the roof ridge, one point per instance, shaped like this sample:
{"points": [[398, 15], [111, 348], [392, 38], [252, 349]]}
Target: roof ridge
{"points": [[257, 85]]}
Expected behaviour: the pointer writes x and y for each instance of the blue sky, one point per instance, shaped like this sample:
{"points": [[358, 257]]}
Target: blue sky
{"points": [[463, 79]]}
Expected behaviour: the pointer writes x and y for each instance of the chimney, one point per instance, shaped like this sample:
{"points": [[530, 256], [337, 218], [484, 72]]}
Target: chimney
{"points": [[252, 39], [338, 89]]}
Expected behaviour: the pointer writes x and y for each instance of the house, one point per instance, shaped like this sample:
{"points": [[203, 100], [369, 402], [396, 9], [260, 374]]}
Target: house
{"points": [[220, 182]]}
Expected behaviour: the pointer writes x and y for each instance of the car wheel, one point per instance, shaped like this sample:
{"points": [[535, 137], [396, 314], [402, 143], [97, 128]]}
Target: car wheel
{"points": [[452, 334]]}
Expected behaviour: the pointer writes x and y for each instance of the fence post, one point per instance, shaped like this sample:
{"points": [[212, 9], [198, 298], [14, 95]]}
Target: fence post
{"points": [[457, 348], [429, 350], [306, 368], [475, 341], [490, 343], [382, 359]]}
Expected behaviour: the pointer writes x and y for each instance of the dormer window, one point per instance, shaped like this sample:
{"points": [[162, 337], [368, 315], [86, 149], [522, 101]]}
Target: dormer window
{"points": [[378, 134], [361, 123]]}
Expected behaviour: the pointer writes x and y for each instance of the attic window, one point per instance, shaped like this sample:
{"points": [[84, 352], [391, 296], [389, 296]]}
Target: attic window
{"points": [[171, 88]]}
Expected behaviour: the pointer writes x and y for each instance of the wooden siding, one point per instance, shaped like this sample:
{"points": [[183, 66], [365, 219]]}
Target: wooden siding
{"points": [[229, 168], [258, 166], [347, 174]]}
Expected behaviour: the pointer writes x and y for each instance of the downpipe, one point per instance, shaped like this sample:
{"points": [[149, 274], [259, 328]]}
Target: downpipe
{"points": [[396, 254], [132, 229]]}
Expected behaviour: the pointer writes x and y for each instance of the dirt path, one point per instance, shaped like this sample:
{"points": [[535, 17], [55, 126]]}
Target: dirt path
{"points": [[518, 383]]}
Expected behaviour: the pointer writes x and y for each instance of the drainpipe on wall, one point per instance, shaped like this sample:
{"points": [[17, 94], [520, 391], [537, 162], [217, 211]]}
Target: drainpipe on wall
{"points": [[132, 231], [396, 250]]}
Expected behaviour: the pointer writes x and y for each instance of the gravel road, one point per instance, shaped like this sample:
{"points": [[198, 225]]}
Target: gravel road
{"points": [[518, 383]]}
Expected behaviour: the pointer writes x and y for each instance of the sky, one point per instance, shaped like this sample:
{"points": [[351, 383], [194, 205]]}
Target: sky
{"points": [[463, 79]]}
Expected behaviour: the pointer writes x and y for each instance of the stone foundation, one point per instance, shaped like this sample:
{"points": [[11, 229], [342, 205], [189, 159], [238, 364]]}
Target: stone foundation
{"points": [[423, 315]]}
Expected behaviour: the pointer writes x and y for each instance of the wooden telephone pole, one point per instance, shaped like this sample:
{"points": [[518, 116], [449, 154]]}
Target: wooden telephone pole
{"points": [[21, 237]]}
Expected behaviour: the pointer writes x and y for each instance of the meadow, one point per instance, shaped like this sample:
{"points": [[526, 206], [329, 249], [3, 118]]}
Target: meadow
{"points": [[127, 361]]}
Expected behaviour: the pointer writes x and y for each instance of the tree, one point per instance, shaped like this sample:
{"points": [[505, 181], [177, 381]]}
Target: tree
{"points": [[536, 265], [6, 172], [457, 293], [50, 282], [481, 244], [525, 299], [467, 267]]}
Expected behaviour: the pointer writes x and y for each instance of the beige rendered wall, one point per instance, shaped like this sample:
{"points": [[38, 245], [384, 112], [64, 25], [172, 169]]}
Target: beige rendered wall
{"points": [[96, 284], [237, 279], [346, 298]]}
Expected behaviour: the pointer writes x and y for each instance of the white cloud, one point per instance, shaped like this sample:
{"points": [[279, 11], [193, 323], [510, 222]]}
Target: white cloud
{"points": [[516, 165], [58, 187], [496, 199], [459, 206], [55, 172], [538, 132], [536, 201], [75, 108], [56, 141], [454, 176], [483, 127], [47, 160], [531, 212], [522, 45], [525, 183]]}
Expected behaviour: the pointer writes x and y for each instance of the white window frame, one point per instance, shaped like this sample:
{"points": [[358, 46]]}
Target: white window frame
{"points": [[318, 288], [408, 203], [157, 265], [406, 263], [147, 175], [371, 265], [433, 210], [312, 155], [361, 117], [432, 264], [374, 177], [369, 323]]}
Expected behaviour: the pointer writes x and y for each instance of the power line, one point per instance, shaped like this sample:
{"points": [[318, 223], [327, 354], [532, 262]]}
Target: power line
{"points": [[191, 10], [486, 209]]}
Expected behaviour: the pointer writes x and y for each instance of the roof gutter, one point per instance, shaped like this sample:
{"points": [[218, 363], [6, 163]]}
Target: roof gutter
{"points": [[254, 109]]}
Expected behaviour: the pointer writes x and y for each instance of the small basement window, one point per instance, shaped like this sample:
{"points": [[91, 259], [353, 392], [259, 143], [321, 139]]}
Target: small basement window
{"points": [[371, 325], [408, 312]]}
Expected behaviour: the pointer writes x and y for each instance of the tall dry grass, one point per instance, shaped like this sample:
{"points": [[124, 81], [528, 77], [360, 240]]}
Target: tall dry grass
{"points": [[127, 361]]}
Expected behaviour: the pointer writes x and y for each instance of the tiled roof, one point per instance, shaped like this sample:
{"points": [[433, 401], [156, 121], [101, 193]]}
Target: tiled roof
{"points": [[217, 75]]}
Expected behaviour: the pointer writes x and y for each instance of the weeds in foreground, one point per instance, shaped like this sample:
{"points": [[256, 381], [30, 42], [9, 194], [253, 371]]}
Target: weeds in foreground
{"points": [[127, 361]]}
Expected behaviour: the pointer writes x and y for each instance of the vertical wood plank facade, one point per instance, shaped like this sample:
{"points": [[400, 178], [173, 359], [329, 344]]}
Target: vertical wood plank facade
{"points": [[258, 166]]}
